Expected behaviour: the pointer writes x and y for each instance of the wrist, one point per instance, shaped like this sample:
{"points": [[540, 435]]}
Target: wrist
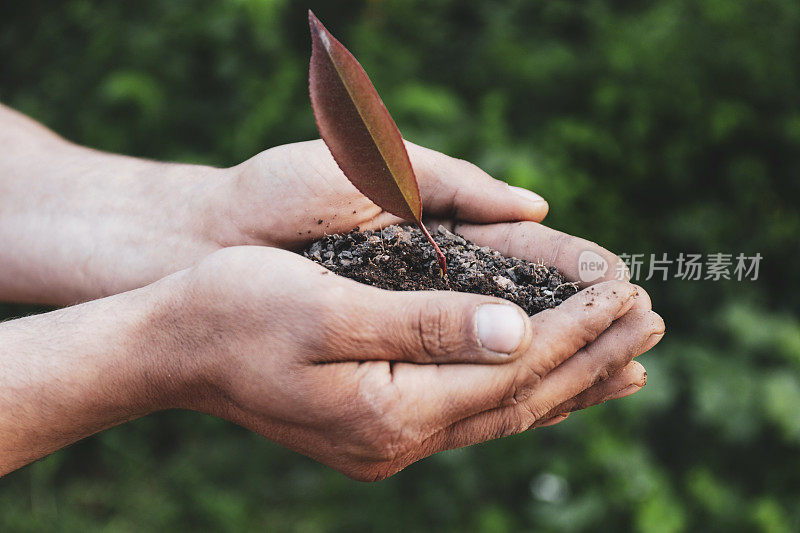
{"points": [[148, 370], [177, 342], [162, 345], [247, 206], [216, 209]]}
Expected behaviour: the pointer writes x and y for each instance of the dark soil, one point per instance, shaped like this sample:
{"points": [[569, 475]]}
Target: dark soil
{"points": [[401, 258]]}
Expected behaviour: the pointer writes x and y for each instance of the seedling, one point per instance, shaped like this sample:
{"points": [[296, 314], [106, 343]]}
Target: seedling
{"points": [[368, 147], [360, 132]]}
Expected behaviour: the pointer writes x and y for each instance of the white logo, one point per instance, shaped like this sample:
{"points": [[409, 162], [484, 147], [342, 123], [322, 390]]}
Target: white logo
{"points": [[591, 266]]}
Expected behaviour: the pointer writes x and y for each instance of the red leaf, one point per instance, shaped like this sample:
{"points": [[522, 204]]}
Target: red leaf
{"points": [[359, 131]]}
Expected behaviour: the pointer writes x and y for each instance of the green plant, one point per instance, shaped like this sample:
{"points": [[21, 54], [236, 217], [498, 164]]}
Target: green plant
{"points": [[359, 131]]}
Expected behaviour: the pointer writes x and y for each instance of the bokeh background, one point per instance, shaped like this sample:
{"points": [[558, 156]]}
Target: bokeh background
{"points": [[659, 126]]}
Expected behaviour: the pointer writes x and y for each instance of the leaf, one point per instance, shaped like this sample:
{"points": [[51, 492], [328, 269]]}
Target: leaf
{"points": [[360, 132]]}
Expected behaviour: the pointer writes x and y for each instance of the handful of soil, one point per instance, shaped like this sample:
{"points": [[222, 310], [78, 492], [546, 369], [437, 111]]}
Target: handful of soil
{"points": [[400, 258]]}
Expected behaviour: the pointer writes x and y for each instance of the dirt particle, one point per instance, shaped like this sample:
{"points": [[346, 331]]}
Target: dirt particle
{"points": [[400, 258], [319, 221]]}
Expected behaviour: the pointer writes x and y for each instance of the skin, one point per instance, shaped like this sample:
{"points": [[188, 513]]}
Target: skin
{"points": [[191, 300]]}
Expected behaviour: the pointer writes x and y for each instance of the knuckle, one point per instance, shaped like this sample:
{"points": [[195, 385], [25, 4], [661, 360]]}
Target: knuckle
{"points": [[525, 417], [602, 374], [439, 330], [642, 298], [521, 387], [604, 370], [518, 420], [564, 408], [511, 424], [532, 412]]}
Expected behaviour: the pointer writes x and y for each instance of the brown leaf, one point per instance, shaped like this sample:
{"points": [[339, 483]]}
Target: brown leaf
{"points": [[359, 131]]}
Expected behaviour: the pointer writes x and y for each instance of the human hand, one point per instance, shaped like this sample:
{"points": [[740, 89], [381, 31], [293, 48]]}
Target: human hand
{"points": [[291, 195], [83, 224], [79, 224], [369, 381], [319, 200]]}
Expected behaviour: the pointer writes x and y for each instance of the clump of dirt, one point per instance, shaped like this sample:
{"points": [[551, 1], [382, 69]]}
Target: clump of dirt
{"points": [[401, 258]]}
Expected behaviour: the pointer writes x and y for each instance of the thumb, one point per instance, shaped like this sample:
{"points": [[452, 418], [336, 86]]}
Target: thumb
{"points": [[429, 327], [457, 189]]}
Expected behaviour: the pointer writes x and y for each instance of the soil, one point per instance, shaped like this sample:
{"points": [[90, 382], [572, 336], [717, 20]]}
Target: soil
{"points": [[401, 258]]}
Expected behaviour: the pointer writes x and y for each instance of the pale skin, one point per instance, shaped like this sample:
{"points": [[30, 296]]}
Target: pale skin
{"points": [[191, 300]]}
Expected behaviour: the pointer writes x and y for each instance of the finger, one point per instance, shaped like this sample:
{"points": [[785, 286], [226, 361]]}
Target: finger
{"points": [[440, 395], [553, 421], [628, 380], [576, 258], [642, 299], [598, 361], [560, 332], [423, 327], [613, 350], [456, 189]]}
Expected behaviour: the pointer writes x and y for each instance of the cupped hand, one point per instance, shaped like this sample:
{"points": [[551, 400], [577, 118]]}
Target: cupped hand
{"points": [[369, 381], [290, 195], [293, 194]]}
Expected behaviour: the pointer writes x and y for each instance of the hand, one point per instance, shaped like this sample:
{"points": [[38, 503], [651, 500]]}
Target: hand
{"points": [[316, 199], [78, 224], [369, 381], [362, 379], [293, 194]]}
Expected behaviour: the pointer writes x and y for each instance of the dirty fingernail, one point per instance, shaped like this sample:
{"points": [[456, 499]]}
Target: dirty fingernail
{"points": [[627, 391], [530, 195], [651, 341], [500, 327]]}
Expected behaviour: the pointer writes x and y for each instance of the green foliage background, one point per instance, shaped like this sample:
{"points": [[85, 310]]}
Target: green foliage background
{"points": [[652, 127]]}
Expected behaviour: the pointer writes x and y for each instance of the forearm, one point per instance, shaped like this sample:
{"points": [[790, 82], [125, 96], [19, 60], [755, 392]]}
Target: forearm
{"points": [[76, 371], [77, 224]]}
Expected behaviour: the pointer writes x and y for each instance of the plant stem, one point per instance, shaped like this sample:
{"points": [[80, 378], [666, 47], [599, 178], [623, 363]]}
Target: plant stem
{"points": [[439, 254]]}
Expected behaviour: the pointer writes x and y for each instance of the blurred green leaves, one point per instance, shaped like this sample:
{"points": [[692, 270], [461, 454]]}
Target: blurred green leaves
{"points": [[652, 127]]}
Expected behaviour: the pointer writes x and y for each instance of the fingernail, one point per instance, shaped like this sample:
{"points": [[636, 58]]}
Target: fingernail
{"points": [[627, 391], [500, 327], [651, 341], [530, 195]]}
